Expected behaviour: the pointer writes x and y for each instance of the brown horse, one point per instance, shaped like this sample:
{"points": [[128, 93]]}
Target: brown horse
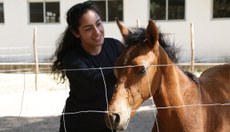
{"points": [[147, 64]]}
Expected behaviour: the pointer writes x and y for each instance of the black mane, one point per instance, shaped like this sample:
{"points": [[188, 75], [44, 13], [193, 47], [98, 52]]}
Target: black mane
{"points": [[138, 35]]}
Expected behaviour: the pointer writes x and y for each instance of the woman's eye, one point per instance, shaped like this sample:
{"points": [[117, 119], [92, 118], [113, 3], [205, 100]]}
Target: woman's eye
{"points": [[99, 23], [87, 29]]}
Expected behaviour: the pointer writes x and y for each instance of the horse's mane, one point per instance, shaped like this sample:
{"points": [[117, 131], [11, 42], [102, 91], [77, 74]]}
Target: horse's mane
{"points": [[138, 35]]}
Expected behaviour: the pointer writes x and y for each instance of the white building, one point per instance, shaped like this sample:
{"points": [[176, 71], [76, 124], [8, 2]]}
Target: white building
{"points": [[211, 34]]}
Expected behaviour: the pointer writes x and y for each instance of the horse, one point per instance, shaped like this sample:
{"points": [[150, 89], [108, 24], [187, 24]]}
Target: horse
{"points": [[184, 102]]}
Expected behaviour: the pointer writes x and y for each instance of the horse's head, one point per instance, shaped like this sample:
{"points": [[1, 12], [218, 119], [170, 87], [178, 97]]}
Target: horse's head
{"points": [[135, 76]]}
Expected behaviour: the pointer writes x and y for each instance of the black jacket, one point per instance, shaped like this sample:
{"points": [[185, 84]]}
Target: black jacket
{"points": [[87, 87]]}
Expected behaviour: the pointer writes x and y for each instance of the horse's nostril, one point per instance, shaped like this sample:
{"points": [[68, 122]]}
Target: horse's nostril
{"points": [[115, 117]]}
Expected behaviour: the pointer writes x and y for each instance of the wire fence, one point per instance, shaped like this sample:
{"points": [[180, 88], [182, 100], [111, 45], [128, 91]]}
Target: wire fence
{"points": [[26, 54], [24, 109], [49, 99]]}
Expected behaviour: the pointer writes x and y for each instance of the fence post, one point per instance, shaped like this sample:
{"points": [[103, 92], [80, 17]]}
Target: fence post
{"points": [[138, 23], [36, 70], [192, 46]]}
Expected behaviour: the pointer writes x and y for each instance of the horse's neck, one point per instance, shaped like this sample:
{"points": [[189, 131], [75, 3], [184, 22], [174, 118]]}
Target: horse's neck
{"points": [[175, 90], [175, 87]]}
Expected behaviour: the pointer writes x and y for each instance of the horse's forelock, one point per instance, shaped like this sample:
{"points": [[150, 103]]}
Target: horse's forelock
{"points": [[138, 36]]}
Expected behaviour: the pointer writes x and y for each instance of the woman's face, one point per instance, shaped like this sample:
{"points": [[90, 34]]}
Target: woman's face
{"points": [[91, 30]]}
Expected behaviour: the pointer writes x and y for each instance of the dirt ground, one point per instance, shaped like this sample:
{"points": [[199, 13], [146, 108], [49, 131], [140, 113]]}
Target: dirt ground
{"points": [[27, 109]]}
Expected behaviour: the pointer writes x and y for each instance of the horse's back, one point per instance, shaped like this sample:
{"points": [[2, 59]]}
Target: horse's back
{"points": [[215, 94], [215, 82], [222, 71]]}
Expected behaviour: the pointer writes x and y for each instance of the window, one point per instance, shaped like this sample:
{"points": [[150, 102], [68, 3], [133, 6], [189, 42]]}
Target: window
{"points": [[221, 8], [1, 13], [167, 9], [110, 9], [44, 12]]}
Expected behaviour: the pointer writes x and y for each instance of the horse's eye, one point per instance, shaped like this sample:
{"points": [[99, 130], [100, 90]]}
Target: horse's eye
{"points": [[143, 71]]}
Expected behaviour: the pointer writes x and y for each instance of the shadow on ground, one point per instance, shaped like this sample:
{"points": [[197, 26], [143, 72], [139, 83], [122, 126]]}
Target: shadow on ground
{"points": [[29, 124], [141, 122]]}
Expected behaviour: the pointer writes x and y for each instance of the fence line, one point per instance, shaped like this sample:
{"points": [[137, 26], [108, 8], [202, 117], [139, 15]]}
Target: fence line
{"points": [[153, 107]]}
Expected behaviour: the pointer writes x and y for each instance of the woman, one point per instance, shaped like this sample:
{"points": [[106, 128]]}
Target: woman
{"points": [[83, 53]]}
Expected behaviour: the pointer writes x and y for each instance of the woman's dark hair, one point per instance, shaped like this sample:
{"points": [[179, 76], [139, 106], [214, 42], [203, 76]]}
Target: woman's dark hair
{"points": [[67, 40], [75, 13]]}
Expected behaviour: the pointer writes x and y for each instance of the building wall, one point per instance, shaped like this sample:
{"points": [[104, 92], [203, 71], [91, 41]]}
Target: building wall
{"points": [[211, 36], [17, 34]]}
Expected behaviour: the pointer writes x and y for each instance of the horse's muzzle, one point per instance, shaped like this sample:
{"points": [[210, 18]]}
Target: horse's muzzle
{"points": [[113, 121]]}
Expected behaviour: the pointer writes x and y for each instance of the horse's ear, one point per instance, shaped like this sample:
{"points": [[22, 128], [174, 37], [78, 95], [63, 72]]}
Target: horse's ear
{"points": [[124, 31], [152, 33]]}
